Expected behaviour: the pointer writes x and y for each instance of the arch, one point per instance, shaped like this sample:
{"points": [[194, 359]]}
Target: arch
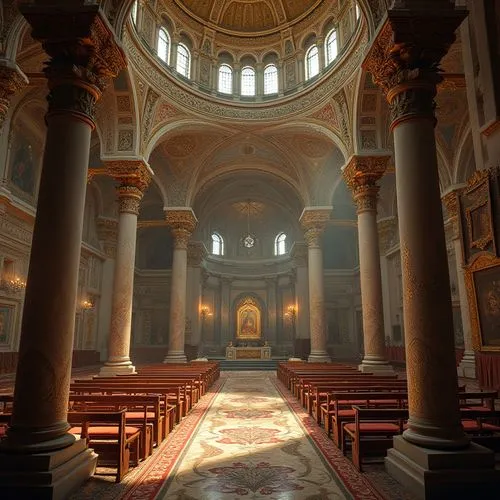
{"points": [[183, 65], [225, 79], [163, 45], [248, 83], [270, 79], [217, 247], [311, 62], [280, 244]]}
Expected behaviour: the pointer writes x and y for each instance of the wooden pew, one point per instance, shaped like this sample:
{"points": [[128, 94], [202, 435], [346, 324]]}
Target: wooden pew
{"points": [[108, 434]]}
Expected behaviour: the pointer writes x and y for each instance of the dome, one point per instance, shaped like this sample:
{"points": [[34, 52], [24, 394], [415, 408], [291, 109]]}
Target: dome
{"points": [[248, 17]]}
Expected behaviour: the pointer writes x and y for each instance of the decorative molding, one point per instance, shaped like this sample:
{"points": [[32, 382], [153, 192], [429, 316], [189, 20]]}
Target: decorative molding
{"points": [[12, 80], [361, 174]]}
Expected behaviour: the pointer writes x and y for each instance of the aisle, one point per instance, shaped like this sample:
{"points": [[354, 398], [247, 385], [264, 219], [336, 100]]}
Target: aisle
{"points": [[250, 445]]}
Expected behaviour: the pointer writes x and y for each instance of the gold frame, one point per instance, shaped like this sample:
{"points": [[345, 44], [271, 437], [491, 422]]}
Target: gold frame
{"points": [[481, 262], [248, 306]]}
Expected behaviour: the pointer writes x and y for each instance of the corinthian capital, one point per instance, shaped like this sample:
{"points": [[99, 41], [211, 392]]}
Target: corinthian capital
{"points": [[314, 221], [12, 80], [182, 222], [405, 56], [134, 176], [361, 174], [84, 53]]}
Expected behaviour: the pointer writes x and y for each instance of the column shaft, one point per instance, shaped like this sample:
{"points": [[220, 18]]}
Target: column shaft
{"points": [[177, 306]]}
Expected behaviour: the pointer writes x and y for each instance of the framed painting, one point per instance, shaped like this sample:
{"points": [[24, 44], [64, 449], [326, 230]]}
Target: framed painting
{"points": [[248, 321], [483, 288]]}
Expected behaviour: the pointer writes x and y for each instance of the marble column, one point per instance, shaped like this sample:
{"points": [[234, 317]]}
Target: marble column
{"points": [[12, 80], [197, 253], [467, 366], [107, 232], [433, 456], [182, 223], [134, 176], [361, 174], [38, 457], [314, 221]]}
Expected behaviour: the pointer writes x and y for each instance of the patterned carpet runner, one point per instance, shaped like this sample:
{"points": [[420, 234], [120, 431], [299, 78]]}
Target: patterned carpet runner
{"points": [[242, 441]]}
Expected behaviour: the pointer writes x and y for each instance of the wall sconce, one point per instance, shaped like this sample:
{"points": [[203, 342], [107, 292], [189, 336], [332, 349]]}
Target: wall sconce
{"points": [[205, 312], [291, 312], [87, 304]]}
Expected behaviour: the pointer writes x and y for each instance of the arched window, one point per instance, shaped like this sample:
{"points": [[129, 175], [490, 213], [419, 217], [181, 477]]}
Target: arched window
{"points": [[279, 244], [358, 12], [164, 45], [217, 244], [312, 62], [270, 79], [248, 81], [331, 47], [183, 60], [133, 12], [225, 84]]}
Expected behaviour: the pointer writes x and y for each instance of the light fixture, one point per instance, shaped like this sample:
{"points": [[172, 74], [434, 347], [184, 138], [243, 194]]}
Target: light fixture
{"points": [[13, 285], [87, 304], [205, 311], [291, 311], [248, 240]]}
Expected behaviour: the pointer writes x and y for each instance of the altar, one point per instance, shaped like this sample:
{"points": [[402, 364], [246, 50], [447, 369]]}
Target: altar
{"points": [[263, 352]]}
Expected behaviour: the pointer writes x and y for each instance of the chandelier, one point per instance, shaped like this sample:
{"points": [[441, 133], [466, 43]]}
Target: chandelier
{"points": [[12, 285]]}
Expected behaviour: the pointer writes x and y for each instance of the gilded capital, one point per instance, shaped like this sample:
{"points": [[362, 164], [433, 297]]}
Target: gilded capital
{"points": [[361, 175], [130, 172], [405, 56], [12, 80], [314, 221], [182, 222], [84, 54]]}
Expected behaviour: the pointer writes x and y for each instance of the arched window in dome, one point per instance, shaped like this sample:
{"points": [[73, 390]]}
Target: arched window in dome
{"points": [[332, 49], [217, 244], [163, 48], [358, 11], [133, 12], [183, 60], [270, 79], [280, 244], [248, 81], [225, 83], [312, 62]]}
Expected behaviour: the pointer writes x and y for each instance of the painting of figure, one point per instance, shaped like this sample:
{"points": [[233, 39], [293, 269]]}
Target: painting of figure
{"points": [[22, 173], [248, 317], [487, 283]]}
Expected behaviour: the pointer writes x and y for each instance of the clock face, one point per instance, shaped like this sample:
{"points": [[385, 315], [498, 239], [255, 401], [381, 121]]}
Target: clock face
{"points": [[249, 241]]}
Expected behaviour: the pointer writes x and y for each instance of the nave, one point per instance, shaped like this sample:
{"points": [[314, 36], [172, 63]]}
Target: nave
{"points": [[247, 437]]}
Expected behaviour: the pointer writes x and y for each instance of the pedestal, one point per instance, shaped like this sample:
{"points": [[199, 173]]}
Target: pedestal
{"points": [[53, 475], [443, 475], [467, 366]]}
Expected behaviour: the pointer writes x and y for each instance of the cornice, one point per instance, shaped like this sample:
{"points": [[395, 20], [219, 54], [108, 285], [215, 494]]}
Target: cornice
{"points": [[300, 103]]}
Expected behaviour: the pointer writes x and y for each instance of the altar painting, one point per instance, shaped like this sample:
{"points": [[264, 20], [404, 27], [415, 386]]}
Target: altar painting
{"points": [[248, 321]]}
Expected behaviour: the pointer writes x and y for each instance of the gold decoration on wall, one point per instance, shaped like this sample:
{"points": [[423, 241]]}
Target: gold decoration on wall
{"points": [[248, 319], [482, 281]]}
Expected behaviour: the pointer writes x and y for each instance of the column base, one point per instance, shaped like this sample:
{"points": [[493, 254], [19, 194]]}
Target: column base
{"points": [[443, 475], [110, 370], [46, 476], [467, 366], [175, 357], [319, 357], [382, 368]]}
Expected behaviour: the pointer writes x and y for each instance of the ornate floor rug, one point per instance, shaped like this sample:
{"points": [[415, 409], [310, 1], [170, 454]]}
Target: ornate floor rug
{"points": [[242, 441]]}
